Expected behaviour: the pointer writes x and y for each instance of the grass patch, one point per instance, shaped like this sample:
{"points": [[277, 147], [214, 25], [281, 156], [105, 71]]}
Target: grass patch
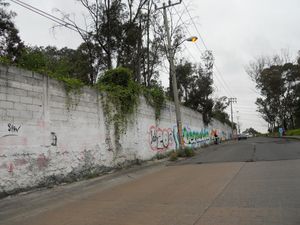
{"points": [[173, 156], [293, 132], [184, 153]]}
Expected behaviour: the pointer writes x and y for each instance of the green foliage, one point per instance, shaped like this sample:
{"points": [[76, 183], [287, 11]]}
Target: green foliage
{"points": [[293, 132], [10, 42], [186, 152], [251, 131], [195, 85], [279, 83], [183, 153], [218, 111], [155, 97], [173, 156], [56, 62], [117, 77], [71, 84], [123, 93]]}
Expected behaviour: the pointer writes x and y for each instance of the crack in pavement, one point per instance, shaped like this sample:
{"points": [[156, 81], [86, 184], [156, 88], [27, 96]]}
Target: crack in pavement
{"points": [[218, 195]]}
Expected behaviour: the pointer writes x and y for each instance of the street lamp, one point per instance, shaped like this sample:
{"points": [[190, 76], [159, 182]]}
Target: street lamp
{"points": [[190, 39], [174, 84], [171, 54]]}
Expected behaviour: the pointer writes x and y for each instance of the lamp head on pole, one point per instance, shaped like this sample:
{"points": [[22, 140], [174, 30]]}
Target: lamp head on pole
{"points": [[192, 39]]}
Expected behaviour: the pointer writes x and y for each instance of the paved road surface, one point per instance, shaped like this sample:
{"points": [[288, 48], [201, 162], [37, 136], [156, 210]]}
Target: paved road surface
{"points": [[251, 182]]}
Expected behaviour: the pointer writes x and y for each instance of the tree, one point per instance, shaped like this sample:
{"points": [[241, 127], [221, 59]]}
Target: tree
{"points": [[278, 81], [115, 31], [220, 104], [10, 43], [201, 88], [185, 77], [195, 85], [251, 131], [59, 62]]}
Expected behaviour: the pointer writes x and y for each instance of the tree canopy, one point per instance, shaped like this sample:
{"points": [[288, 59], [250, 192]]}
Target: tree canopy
{"points": [[10, 43], [278, 81]]}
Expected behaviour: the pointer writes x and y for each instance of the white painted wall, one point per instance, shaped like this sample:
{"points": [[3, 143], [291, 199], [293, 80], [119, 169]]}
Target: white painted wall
{"points": [[34, 112]]}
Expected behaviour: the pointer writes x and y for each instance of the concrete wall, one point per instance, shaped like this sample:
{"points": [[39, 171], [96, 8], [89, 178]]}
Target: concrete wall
{"points": [[48, 137]]}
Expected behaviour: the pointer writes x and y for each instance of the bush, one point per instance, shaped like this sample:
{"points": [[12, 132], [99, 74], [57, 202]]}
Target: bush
{"points": [[186, 152], [173, 156], [120, 76], [189, 152], [155, 97]]}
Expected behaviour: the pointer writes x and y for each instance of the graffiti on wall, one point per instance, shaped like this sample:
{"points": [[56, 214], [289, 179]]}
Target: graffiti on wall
{"points": [[192, 138], [53, 139], [160, 139], [13, 128]]}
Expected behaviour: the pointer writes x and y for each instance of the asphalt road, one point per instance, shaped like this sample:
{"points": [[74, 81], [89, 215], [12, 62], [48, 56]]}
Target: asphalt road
{"points": [[250, 150], [250, 182]]}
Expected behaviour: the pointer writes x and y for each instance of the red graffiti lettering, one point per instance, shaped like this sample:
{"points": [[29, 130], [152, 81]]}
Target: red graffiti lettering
{"points": [[160, 139]]}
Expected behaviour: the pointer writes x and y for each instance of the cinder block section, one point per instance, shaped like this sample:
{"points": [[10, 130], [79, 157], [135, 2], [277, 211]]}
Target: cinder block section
{"points": [[20, 92], [34, 108], [13, 113], [2, 113], [26, 100], [26, 87], [26, 114], [13, 98], [20, 106], [6, 105]]}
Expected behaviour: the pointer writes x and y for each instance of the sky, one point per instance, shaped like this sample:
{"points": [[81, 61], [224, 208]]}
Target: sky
{"points": [[236, 31]]}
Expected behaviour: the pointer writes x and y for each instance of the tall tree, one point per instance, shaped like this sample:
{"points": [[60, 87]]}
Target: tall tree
{"points": [[278, 82], [10, 43], [195, 85], [115, 30], [219, 113]]}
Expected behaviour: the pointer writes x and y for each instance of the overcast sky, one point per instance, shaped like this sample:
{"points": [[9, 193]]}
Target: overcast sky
{"points": [[237, 31]]}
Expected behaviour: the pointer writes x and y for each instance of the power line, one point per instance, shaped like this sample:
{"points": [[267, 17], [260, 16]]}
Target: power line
{"points": [[180, 18], [200, 51], [202, 40], [48, 16]]}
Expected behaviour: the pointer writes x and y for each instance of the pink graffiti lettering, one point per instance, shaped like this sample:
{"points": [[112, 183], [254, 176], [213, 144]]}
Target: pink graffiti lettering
{"points": [[160, 139]]}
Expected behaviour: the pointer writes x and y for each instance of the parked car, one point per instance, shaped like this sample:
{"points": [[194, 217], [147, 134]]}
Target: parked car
{"points": [[242, 136]]}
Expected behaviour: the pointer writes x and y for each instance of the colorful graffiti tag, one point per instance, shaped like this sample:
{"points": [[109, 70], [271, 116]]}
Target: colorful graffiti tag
{"points": [[163, 139], [192, 138], [160, 139]]}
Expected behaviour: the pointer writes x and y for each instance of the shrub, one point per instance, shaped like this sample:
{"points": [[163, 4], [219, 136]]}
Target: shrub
{"points": [[173, 156]]}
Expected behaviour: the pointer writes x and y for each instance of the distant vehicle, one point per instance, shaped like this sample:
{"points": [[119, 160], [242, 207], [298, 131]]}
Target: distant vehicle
{"points": [[242, 136], [249, 135]]}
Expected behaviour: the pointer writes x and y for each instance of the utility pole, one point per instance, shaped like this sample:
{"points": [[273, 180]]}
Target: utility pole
{"points": [[171, 53], [232, 100], [238, 122]]}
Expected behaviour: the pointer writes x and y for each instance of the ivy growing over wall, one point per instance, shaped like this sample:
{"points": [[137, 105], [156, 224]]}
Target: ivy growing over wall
{"points": [[155, 97], [72, 86], [120, 96]]}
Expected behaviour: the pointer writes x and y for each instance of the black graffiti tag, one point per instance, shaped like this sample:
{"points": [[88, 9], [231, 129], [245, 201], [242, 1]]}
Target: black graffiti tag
{"points": [[13, 128]]}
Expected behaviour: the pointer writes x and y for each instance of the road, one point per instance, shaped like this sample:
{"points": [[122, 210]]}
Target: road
{"points": [[251, 182]]}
